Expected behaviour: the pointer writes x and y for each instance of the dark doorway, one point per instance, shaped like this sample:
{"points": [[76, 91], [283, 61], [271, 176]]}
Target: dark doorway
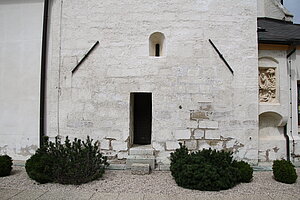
{"points": [[141, 104]]}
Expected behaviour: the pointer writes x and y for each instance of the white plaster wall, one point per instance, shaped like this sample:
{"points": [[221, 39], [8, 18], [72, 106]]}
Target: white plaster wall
{"points": [[273, 9], [272, 143], [293, 67], [274, 116], [95, 100], [20, 47], [276, 58]]}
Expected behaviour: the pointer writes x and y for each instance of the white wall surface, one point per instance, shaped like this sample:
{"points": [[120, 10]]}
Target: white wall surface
{"points": [[20, 55], [273, 9], [95, 100]]}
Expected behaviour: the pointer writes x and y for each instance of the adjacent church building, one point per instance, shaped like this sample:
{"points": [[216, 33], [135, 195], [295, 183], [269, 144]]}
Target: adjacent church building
{"points": [[142, 77]]}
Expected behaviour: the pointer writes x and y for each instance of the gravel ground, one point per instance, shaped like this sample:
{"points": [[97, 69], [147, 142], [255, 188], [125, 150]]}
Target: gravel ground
{"points": [[157, 182]]}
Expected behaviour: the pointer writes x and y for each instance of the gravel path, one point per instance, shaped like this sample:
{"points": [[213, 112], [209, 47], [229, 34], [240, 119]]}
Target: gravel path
{"points": [[157, 182]]}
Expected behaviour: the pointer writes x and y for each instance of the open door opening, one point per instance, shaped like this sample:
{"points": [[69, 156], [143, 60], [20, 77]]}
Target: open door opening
{"points": [[141, 117]]}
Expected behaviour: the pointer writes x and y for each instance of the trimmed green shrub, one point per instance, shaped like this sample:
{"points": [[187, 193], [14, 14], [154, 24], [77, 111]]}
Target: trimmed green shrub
{"points": [[284, 171], [69, 163], [245, 171], [5, 165], [39, 167], [204, 170]]}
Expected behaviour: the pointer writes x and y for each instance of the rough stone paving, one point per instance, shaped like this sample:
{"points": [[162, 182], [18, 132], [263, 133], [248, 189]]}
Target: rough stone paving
{"points": [[158, 185]]}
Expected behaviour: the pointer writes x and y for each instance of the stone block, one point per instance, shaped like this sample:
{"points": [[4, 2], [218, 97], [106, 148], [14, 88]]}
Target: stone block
{"points": [[141, 150], [208, 125], [205, 106], [140, 159], [212, 134], [182, 134], [196, 115], [110, 154], [191, 144], [192, 124], [119, 145], [164, 167], [122, 155], [105, 144], [163, 157], [172, 145], [199, 134], [158, 146], [203, 145], [140, 169]]}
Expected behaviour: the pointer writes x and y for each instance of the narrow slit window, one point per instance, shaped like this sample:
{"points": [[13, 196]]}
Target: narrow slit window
{"points": [[157, 44], [157, 50]]}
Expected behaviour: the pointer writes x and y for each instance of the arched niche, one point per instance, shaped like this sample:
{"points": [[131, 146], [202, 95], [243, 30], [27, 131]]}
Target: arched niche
{"points": [[271, 143], [267, 61], [268, 80], [157, 44]]}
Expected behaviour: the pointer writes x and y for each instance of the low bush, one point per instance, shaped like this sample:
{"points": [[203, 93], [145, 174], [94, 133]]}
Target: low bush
{"points": [[284, 171], [69, 163], [245, 171], [39, 167], [205, 170], [5, 165]]}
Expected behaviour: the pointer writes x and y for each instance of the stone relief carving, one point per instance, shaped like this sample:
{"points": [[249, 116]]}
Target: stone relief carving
{"points": [[267, 85]]}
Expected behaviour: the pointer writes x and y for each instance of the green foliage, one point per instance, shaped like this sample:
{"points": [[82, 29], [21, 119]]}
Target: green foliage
{"points": [[74, 162], [39, 166], [5, 165], [245, 171], [204, 170], [284, 171]]}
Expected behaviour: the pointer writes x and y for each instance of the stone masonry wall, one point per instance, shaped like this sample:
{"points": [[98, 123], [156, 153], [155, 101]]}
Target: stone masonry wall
{"points": [[195, 98]]}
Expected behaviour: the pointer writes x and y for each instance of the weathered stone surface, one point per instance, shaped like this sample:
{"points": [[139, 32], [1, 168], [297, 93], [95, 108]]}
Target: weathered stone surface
{"points": [[164, 167], [196, 115], [140, 169], [172, 145], [141, 150], [109, 153], [122, 155], [119, 145], [144, 159], [189, 75], [208, 125], [191, 144], [212, 134], [202, 144], [182, 134], [105, 144], [198, 134], [192, 124], [158, 146]]}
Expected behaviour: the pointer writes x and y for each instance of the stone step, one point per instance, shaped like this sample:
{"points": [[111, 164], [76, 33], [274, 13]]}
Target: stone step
{"points": [[142, 159], [140, 169], [141, 151]]}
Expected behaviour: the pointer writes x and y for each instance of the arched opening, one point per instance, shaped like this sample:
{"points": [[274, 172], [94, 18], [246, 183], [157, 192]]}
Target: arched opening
{"points": [[272, 143], [268, 80], [156, 44]]}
